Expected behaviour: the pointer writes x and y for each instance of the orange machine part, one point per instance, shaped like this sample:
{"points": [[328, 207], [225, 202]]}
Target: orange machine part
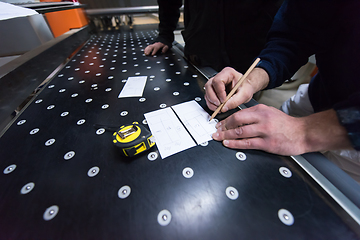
{"points": [[62, 21]]}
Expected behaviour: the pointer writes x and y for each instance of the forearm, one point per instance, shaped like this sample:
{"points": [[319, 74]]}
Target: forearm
{"points": [[323, 131], [169, 13]]}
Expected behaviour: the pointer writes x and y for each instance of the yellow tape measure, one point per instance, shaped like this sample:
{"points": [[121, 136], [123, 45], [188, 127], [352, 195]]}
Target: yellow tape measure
{"points": [[133, 139]]}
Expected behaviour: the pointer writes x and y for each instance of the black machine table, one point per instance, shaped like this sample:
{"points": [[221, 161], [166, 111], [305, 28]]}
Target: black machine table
{"points": [[63, 178]]}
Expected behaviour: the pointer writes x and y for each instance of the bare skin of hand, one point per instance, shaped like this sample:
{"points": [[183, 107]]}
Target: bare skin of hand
{"points": [[266, 128], [215, 88], [155, 47]]}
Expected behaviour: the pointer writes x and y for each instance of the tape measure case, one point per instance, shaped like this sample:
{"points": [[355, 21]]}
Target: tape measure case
{"points": [[133, 139]]}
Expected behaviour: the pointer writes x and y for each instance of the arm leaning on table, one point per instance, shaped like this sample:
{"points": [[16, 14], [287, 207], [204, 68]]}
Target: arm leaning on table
{"points": [[169, 13]]}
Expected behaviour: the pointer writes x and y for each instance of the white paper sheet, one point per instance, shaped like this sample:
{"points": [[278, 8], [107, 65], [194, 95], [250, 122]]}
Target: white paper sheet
{"points": [[170, 135], [134, 87], [196, 120]]}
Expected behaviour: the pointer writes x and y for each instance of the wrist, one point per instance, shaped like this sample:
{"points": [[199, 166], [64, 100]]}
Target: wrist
{"points": [[323, 132], [258, 79]]}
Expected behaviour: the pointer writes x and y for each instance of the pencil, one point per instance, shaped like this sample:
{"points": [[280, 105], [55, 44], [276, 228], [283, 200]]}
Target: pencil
{"points": [[236, 87]]}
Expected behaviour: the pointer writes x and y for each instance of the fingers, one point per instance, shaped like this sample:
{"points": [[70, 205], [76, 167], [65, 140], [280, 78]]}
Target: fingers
{"points": [[148, 49], [154, 48], [251, 143], [157, 47], [243, 129], [165, 48], [242, 132], [257, 80], [215, 88], [212, 100], [244, 137], [243, 95], [264, 128], [212, 106], [243, 117]]}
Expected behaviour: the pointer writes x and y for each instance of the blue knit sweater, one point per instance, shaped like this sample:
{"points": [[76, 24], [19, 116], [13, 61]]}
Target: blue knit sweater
{"points": [[330, 29]]}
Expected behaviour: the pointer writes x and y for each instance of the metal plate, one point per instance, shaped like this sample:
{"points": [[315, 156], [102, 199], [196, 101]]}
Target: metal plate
{"points": [[90, 208]]}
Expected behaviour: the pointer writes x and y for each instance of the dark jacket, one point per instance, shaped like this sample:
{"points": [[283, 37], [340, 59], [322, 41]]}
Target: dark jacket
{"points": [[219, 33], [330, 29]]}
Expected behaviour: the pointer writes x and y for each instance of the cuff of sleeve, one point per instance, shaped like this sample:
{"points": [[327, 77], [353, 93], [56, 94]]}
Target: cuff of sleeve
{"points": [[350, 118], [164, 41], [267, 66]]}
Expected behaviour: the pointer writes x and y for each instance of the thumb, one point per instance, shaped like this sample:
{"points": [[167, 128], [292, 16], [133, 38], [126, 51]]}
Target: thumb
{"points": [[243, 95]]}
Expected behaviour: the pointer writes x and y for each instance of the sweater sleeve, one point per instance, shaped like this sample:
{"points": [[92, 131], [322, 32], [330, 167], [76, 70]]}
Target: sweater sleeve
{"points": [[348, 113], [169, 13], [290, 42], [297, 32]]}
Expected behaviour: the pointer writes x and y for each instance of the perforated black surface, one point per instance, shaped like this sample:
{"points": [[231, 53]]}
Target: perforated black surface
{"points": [[87, 207]]}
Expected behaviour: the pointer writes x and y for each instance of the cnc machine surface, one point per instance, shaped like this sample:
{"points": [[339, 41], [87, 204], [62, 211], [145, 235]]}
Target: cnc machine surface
{"points": [[64, 179]]}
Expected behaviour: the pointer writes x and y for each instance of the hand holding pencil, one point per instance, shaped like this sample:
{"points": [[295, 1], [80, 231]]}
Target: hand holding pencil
{"points": [[241, 80], [243, 87], [258, 127]]}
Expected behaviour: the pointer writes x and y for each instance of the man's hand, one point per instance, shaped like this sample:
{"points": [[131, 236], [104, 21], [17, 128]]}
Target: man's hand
{"points": [[268, 129], [155, 47], [216, 88]]}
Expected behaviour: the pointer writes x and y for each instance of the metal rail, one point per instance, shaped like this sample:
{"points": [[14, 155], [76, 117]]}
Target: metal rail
{"points": [[123, 10], [20, 77]]}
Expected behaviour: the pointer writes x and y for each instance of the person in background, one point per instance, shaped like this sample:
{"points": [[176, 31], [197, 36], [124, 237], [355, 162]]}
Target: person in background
{"points": [[217, 33], [327, 110]]}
